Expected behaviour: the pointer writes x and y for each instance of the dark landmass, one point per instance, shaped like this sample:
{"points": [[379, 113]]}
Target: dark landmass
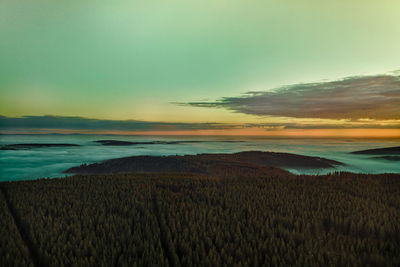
{"points": [[175, 219], [204, 163], [29, 146], [379, 151], [128, 143], [116, 143], [391, 158]]}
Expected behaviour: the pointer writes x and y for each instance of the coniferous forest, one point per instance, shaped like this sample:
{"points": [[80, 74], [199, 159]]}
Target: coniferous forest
{"points": [[176, 219]]}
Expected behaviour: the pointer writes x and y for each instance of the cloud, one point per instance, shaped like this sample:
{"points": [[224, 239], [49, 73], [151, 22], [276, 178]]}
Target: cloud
{"points": [[38, 124], [79, 123], [372, 97]]}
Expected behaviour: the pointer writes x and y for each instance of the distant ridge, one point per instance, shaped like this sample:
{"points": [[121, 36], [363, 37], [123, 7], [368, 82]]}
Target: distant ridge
{"points": [[28, 146], [129, 143], [390, 158], [249, 161], [379, 151]]}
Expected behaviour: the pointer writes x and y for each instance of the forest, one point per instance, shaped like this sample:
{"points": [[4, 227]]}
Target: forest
{"points": [[206, 164], [231, 218]]}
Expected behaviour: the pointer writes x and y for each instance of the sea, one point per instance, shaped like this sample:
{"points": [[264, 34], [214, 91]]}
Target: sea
{"points": [[50, 162]]}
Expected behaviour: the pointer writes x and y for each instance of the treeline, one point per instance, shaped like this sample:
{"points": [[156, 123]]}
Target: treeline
{"points": [[186, 220]]}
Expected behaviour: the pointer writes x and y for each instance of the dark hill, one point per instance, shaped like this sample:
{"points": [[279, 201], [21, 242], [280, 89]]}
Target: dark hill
{"points": [[128, 143], [379, 151], [209, 164], [29, 146], [390, 158]]}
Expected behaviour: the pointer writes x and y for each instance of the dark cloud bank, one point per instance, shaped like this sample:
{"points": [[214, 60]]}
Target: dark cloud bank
{"points": [[372, 97], [79, 123], [49, 123]]}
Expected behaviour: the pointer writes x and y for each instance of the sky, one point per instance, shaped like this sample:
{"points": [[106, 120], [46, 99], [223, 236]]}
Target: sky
{"points": [[247, 67]]}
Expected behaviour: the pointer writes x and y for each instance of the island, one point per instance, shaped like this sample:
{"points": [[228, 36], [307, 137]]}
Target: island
{"points": [[379, 151], [389, 158], [33, 145], [129, 143], [247, 161]]}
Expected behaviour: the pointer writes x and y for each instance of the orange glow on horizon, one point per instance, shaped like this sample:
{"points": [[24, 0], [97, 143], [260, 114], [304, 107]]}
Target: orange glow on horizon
{"points": [[362, 133]]}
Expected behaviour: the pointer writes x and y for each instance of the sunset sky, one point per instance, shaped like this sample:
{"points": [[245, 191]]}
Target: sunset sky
{"points": [[284, 68]]}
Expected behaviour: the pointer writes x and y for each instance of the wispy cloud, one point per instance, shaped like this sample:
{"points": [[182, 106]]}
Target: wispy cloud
{"points": [[366, 97]]}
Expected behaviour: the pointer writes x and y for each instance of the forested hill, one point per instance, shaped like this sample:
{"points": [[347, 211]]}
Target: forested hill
{"points": [[379, 151], [30, 146], [205, 163], [342, 219]]}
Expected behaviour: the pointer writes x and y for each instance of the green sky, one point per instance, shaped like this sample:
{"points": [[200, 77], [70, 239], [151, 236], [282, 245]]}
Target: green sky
{"points": [[133, 60]]}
